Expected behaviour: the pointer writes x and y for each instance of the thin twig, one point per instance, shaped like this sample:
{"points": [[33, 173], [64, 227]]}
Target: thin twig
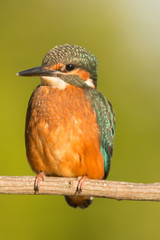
{"points": [[67, 186]]}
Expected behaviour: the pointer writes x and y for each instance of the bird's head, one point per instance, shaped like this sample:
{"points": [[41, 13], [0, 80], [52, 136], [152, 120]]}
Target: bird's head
{"points": [[66, 64]]}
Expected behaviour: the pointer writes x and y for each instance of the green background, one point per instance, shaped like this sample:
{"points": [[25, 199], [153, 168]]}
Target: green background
{"points": [[125, 37]]}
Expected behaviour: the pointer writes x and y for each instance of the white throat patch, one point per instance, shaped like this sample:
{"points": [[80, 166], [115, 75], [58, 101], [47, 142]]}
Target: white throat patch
{"points": [[54, 82]]}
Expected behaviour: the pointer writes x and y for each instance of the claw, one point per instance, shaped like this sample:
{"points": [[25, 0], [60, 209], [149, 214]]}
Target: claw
{"points": [[38, 180], [81, 182]]}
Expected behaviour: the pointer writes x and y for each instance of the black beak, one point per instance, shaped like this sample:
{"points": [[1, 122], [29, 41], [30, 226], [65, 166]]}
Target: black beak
{"points": [[38, 71]]}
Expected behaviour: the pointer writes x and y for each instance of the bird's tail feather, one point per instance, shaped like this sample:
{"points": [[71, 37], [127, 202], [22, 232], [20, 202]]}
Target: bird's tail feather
{"points": [[76, 201]]}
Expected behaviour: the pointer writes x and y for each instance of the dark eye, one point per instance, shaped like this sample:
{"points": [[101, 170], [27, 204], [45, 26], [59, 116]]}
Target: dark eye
{"points": [[70, 67]]}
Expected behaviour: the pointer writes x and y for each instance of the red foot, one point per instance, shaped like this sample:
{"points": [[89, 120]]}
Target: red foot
{"points": [[81, 182], [38, 180]]}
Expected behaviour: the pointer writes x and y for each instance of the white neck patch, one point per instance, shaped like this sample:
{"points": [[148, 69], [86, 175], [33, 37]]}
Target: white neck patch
{"points": [[89, 82], [53, 82]]}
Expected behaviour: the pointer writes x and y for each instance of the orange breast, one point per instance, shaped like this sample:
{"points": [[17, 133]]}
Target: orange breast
{"points": [[62, 135]]}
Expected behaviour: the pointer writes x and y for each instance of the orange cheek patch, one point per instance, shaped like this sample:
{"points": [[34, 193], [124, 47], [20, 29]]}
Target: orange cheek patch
{"points": [[81, 73], [56, 66]]}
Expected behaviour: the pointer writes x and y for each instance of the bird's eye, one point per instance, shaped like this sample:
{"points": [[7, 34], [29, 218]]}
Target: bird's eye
{"points": [[70, 67]]}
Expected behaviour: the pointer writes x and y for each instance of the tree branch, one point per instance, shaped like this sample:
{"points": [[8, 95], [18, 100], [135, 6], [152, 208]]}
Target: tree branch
{"points": [[68, 186]]}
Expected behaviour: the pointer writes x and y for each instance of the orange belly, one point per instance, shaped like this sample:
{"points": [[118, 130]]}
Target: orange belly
{"points": [[62, 135]]}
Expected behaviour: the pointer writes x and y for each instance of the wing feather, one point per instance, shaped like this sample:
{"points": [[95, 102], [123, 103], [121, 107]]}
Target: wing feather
{"points": [[106, 123]]}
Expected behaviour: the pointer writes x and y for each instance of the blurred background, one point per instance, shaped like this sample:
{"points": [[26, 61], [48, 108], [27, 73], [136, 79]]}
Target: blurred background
{"points": [[125, 37]]}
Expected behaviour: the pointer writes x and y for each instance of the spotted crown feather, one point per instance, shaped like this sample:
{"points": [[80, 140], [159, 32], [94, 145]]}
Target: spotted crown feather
{"points": [[73, 54]]}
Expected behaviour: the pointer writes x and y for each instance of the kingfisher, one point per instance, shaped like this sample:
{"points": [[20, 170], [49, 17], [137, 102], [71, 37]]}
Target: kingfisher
{"points": [[70, 125]]}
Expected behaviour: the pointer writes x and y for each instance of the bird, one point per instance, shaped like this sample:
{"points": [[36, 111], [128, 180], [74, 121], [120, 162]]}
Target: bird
{"points": [[70, 125]]}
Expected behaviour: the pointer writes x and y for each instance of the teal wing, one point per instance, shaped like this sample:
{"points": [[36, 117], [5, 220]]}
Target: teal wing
{"points": [[106, 123]]}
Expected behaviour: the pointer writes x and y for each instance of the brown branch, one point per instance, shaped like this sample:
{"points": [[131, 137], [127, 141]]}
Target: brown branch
{"points": [[95, 188]]}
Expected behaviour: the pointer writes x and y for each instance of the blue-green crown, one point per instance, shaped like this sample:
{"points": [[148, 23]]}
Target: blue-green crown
{"points": [[73, 54]]}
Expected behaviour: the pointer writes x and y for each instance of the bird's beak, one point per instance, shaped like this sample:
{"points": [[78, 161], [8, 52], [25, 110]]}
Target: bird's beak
{"points": [[38, 71]]}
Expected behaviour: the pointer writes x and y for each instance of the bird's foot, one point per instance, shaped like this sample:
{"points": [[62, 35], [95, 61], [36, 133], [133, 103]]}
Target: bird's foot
{"points": [[38, 180], [81, 182]]}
